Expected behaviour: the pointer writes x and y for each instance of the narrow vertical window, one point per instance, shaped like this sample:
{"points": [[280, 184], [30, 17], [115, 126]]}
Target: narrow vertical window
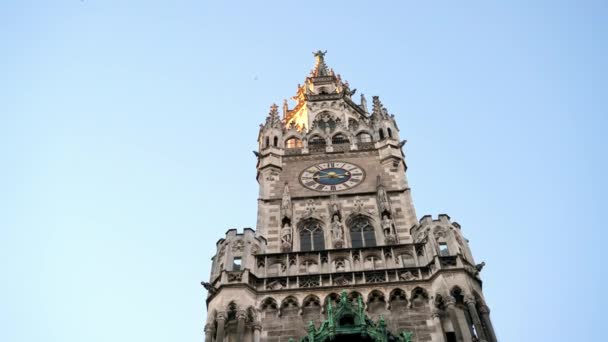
{"points": [[443, 249], [236, 264], [381, 134], [390, 132], [276, 142]]}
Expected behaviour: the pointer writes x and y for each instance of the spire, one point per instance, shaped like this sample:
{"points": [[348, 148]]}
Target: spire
{"points": [[273, 119], [363, 103], [376, 106], [320, 66]]}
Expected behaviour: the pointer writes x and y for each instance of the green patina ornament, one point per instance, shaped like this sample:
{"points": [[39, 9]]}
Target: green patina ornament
{"points": [[347, 320]]}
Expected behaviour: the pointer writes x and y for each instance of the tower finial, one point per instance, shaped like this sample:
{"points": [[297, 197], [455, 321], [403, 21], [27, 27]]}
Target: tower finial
{"points": [[320, 67]]}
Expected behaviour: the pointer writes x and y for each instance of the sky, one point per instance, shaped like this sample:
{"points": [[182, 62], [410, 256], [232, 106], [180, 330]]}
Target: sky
{"points": [[126, 131]]}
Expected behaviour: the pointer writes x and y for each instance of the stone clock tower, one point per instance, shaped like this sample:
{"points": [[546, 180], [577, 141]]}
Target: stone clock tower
{"points": [[338, 251]]}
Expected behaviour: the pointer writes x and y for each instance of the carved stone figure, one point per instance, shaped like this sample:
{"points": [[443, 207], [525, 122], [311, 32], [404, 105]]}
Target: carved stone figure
{"points": [[336, 228], [387, 228], [387, 225], [286, 237], [286, 206], [384, 204]]}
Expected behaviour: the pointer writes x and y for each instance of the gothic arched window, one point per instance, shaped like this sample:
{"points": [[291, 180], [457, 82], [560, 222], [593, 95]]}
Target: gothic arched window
{"points": [[293, 143], [316, 141], [275, 142], [390, 132], [267, 142], [364, 137], [381, 134], [311, 237], [339, 139], [362, 233]]}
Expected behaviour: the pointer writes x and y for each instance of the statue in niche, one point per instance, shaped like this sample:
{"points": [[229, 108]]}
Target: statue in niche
{"points": [[383, 201], [387, 225], [336, 230], [286, 237], [286, 202], [387, 228]]}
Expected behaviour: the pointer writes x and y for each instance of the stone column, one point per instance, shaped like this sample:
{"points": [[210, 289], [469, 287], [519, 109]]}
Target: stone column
{"points": [[257, 329], [450, 308], [436, 317], [221, 321], [481, 334], [241, 315], [209, 330], [484, 311]]}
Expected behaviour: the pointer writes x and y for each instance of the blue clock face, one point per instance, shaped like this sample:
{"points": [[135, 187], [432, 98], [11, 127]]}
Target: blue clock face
{"points": [[332, 176]]}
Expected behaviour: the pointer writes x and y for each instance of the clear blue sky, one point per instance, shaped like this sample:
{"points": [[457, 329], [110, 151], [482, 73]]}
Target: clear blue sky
{"points": [[126, 131]]}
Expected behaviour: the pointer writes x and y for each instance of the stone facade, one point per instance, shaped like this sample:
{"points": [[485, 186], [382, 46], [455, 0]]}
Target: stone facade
{"points": [[350, 230]]}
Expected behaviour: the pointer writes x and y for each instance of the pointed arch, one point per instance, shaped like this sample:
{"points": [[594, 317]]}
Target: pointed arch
{"points": [[389, 132], [376, 300], [339, 138], [311, 235], [419, 297], [397, 295], [269, 304], [289, 303], [362, 232]]}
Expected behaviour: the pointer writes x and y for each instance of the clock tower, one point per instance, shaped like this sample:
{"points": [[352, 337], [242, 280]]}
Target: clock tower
{"points": [[338, 251]]}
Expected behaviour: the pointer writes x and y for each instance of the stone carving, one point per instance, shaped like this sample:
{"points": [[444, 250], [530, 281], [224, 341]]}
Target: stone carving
{"points": [[211, 290], [255, 249], [275, 285], [286, 236], [286, 207], [235, 276], [341, 281], [310, 208], [384, 204], [337, 232], [238, 246], [389, 232], [407, 276]]}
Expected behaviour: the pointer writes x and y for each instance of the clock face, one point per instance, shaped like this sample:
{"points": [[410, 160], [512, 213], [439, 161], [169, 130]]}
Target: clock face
{"points": [[332, 176]]}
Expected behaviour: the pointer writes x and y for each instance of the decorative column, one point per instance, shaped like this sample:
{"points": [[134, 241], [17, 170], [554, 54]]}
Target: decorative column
{"points": [[241, 315], [481, 334], [436, 317], [257, 329], [209, 330], [484, 311], [450, 303], [221, 321]]}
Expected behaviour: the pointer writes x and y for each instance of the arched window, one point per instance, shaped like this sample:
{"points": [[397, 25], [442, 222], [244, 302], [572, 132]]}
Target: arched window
{"points": [[381, 134], [267, 142], [339, 139], [316, 141], [311, 237], [362, 233], [275, 142], [293, 143], [364, 137], [390, 132]]}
